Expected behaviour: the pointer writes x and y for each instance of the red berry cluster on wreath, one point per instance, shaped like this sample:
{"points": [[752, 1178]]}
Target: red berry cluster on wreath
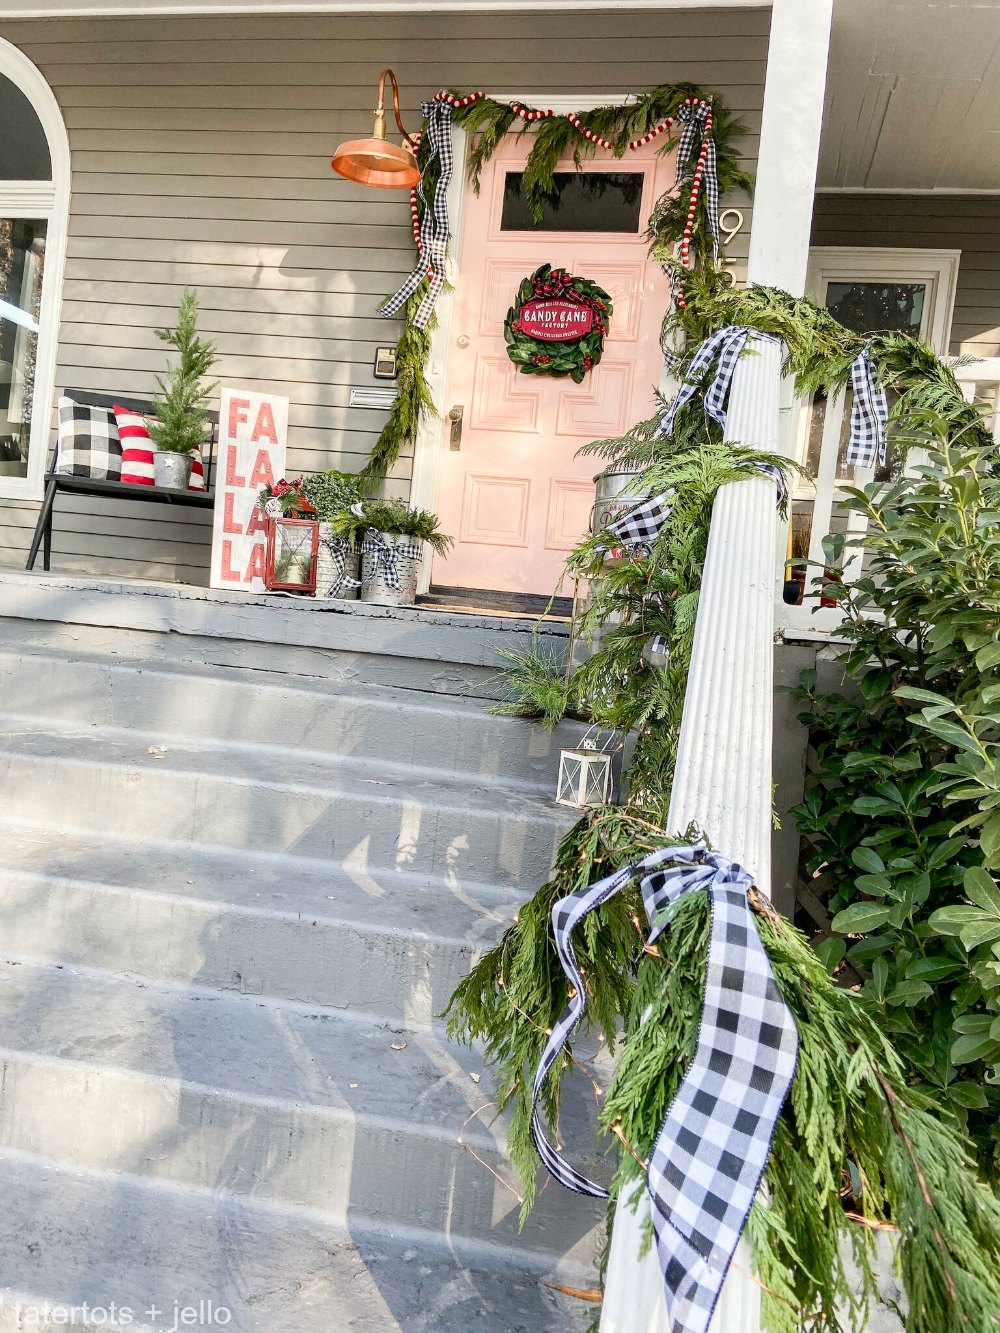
{"points": [[541, 359]]}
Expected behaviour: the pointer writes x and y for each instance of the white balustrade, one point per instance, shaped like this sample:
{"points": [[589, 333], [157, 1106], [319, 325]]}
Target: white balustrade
{"points": [[980, 383]]}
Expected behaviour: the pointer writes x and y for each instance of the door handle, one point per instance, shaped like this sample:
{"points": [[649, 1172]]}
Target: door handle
{"points": [[455, 417]]}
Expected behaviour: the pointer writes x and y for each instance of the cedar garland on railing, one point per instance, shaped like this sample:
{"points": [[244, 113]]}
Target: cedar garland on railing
{"points": [[858, 1149]]}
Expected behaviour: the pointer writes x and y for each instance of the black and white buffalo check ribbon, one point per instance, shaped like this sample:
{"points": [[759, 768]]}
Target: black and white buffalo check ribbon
{"points": [[388, 555], [712, 1148], [433, 223], [869, 415], [640, 527], [726, 347], [338, 548], [694, 116]]}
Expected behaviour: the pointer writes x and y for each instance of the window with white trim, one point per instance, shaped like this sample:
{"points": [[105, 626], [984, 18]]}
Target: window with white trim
{"points": [[34, 197]]}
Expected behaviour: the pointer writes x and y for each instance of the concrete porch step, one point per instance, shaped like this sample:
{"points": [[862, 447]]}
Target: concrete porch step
{"points": [[73, 1239], [349, 1119], [265, 799], [181, 700], [353, 937]]}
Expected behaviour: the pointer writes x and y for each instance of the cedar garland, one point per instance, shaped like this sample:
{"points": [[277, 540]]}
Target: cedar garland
{"points": [[858, 1149], [679, 217]]}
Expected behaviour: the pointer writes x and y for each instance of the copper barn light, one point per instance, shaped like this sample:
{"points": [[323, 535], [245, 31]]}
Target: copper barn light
{"points": [[375, 161]]}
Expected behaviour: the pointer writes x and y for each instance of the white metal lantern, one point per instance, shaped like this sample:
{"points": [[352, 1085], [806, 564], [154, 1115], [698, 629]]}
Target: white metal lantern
{"points": [[585, 776]]}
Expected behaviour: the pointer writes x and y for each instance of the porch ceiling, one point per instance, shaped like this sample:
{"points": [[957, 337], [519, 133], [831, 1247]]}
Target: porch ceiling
{"points": [[913, 97]]}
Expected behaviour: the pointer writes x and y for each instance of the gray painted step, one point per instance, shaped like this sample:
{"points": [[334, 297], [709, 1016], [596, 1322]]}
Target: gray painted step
{"points": [[346, 1118], [368, 939], [399, 643], [264, 799], [73, 1238], [193, 702]]}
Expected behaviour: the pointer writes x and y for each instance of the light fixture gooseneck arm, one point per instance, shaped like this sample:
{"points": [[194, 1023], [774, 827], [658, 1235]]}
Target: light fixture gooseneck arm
{"points": [[379, 132]]}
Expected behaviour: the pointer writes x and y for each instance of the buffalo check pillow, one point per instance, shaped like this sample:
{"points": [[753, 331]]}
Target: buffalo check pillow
{"points": [[137, 451], [87, 443]]}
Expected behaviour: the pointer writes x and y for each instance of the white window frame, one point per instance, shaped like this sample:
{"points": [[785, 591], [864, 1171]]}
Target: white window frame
{"points": [[938, 270], [49, 201]]}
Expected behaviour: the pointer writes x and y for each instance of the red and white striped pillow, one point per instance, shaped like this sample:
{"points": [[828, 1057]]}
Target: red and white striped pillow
{"points": [[137, 451]]}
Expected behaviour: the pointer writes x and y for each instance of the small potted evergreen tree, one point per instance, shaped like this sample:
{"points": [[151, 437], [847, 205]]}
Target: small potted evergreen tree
{"points": [[181, 424], [391, 539]]}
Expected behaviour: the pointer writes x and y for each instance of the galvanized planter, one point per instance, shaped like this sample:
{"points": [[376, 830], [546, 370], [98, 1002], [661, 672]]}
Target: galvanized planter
{"points": [[328, 576], [172, 471], [376, 565], [610, 503]]}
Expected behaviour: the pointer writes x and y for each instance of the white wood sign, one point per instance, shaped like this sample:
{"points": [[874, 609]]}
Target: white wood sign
{"points": [[253, 434]]}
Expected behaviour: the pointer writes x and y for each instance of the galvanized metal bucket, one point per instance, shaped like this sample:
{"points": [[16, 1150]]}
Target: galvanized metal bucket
{"points": [[328, 576], [172, 471], [375, 566], [614, 497]]}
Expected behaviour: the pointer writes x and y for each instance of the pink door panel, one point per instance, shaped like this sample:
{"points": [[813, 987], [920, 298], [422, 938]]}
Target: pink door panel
{"points": [[515, 496]]}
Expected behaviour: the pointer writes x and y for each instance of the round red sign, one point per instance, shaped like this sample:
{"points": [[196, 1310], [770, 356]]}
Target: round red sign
{"points": [[555, 320]]}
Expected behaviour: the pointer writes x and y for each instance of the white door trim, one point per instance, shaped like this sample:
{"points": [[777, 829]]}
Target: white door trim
{"points": [[48, 200]]}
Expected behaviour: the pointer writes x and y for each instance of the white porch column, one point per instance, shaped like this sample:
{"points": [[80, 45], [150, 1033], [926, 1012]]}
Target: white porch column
{"points": [[722, 781], [785, 187]]}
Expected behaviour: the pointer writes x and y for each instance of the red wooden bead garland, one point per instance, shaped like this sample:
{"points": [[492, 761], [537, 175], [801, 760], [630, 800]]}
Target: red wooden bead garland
{"points": [[587, 134], [445, 96]]}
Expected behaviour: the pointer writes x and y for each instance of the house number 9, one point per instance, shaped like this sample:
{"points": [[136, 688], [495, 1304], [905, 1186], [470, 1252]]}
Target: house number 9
{"points": [[730, 225], [730, 229]]}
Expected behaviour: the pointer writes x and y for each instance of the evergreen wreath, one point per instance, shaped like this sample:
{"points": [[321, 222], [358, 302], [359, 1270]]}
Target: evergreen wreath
{"points": [[574, 357], [613, 129]]}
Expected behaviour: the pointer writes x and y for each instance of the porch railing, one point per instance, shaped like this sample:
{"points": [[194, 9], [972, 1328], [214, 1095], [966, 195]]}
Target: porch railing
{"points": [[820, 432]]}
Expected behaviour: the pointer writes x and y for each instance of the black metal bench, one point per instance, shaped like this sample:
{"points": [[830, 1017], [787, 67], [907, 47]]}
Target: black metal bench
{"points": [[117, 490]]}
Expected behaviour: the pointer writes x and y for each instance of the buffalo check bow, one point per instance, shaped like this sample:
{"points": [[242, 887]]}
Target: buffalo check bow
{"points": [[387, 556], [338, 548], [433, 224], [712, 1148]]}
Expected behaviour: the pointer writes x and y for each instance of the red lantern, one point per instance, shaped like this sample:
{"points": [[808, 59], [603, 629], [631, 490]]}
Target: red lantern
{"points": [[292, 549]]}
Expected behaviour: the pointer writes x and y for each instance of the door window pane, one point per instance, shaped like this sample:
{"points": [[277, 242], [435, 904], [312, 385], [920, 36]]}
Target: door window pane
{"points": [[24, 151], [584, 201], [870, 307], [22, 262]]}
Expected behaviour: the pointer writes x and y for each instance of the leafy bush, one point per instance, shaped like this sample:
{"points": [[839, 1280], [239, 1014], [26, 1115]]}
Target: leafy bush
{"points": [[331, 491], [902, 809]]}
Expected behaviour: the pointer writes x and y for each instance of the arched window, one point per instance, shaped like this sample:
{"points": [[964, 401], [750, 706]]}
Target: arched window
{"points": [[34, 204]]}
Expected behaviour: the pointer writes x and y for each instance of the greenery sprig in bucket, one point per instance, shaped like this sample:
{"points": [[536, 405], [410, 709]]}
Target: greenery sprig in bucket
{"points": [[332, 493], [390, 536], [180, 424]]}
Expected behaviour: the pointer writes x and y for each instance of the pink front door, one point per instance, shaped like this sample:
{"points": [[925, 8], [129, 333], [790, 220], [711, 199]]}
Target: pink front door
{"points": [[514, 495]]}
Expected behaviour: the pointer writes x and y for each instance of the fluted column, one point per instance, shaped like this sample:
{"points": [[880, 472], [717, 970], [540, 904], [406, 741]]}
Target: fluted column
{"points": [[722, 782]]}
